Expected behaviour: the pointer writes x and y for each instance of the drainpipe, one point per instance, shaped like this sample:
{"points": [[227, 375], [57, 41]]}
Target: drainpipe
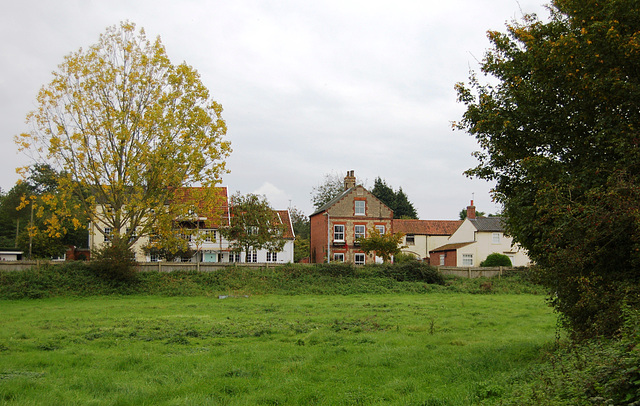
{"points": [[328, 238]]}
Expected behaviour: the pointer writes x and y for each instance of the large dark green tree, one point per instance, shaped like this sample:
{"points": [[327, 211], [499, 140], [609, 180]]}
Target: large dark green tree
{"points": [[396, 201], [302, 230], [559, 128]]}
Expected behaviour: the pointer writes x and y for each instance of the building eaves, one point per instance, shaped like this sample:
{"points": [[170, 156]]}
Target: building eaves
{"points": [[452, 246]]}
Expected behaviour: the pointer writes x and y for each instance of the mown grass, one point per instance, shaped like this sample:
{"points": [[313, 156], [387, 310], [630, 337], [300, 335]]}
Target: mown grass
{"points": [[439, 348]]}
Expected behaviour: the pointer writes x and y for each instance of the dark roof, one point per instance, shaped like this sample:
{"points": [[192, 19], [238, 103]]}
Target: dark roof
{"points": [[426, 227], [453, 246], [488, 223], [333, 201]]}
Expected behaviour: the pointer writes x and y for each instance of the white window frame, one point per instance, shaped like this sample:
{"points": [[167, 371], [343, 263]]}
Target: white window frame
{"points": [[410, 239], [495, 238], [338, 257], [359, 259], [252, 257], [442, 258], [336, 233], [467, 259], [272, 256], [380, 228], [209, 235], [154, 258], [359, 231], [234, 257], [360, 207], [108, 234]]}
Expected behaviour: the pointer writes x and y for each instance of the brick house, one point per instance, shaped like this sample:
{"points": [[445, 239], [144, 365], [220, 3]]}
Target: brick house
{"points": [[474, 240], [336, 226]]}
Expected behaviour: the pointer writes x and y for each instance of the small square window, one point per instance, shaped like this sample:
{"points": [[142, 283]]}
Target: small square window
{"points": [[380, 229], [360, 206], [411, 239], [108, 234], [338, 232], [467, 259], [338, 257], [359, 259], [359, 232]]}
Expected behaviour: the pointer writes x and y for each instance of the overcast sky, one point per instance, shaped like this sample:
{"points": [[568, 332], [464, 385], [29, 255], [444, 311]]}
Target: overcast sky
{"points": [[308, 87]]}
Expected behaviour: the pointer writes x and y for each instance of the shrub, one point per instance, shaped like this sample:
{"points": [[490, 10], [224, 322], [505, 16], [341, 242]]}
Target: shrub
{"points": [[413, 271], [496, 259], [403, 257], [337, 269], [115, 262]]}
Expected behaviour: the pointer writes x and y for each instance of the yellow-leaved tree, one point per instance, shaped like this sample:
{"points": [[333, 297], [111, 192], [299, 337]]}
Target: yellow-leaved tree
{"points": [[127, 129]]}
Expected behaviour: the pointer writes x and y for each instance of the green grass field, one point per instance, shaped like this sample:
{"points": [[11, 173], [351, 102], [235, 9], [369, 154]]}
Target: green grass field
{"points": [[397, 349]]}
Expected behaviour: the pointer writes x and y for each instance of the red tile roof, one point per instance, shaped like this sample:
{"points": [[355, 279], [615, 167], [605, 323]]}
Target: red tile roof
{"points": [[194, 195], [286, 220], [426, 227]]}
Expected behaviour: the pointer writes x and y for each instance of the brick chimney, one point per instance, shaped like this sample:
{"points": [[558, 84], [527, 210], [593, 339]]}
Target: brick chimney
{"points": [[349, 180], [471, 211]]}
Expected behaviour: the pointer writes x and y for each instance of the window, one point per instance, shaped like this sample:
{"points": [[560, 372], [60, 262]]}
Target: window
{"points": [[272, 256], [108, 234], [360, 207], [495, 238], [185, 259], [338, 232], [252, 256], [154, 258], [359, 259], [380, 229], [234, 257], [210, 235], [132, 235], [467, 259], [411, 239], [442, 257], [252, 230], [338, 257], [359, 232]]}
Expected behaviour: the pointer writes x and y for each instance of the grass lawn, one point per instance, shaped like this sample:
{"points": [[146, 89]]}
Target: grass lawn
{"points": [[400, 349]]}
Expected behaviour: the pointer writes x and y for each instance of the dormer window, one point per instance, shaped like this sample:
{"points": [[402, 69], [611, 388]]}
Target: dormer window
{"points": [[360, 207]]}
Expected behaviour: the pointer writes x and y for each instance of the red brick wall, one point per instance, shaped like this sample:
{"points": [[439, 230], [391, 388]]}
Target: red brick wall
{"points": [[449, 260], [318, 243]]}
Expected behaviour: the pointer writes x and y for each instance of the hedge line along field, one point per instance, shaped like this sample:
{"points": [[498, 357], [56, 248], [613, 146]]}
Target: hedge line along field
{"points": [[360, 349]]}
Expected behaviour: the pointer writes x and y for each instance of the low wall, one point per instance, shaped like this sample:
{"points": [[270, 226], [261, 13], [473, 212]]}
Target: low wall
{"points": [[147, 266]]}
